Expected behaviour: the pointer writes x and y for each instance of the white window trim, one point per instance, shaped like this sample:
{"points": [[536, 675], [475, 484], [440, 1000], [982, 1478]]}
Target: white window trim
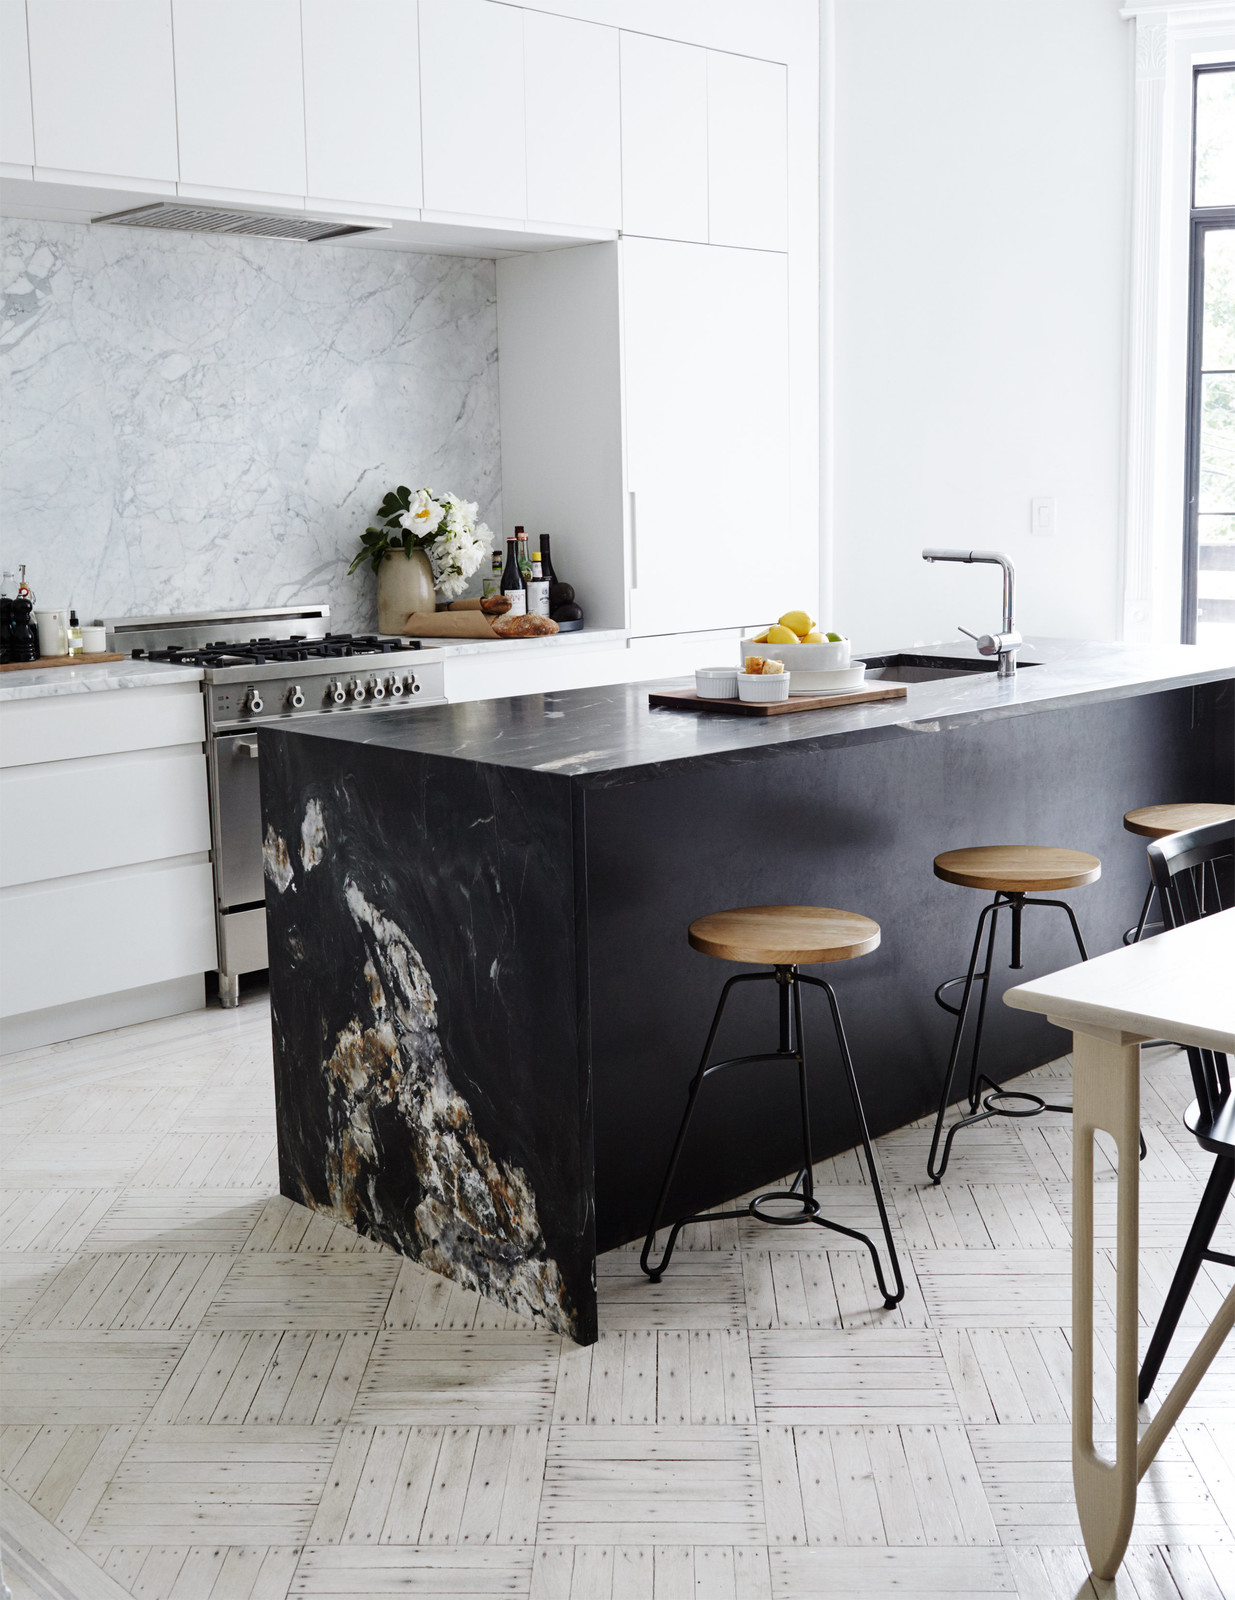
{"points": [[1171, 37]]}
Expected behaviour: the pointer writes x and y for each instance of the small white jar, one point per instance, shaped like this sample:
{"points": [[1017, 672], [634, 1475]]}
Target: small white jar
{"points": [[716, 683], [765, 687]]}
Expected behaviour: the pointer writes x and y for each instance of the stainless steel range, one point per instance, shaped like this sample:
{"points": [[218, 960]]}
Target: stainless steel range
{"points": [[261, 667]]}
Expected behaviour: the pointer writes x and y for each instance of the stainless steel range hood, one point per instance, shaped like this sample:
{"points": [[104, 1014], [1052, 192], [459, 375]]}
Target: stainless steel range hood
{"points": [[187, 218]]}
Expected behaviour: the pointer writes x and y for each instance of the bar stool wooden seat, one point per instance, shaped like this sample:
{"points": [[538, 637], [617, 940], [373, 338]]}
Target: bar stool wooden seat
{"points": [[783, 938], [1159, 822], [1011, 872]]}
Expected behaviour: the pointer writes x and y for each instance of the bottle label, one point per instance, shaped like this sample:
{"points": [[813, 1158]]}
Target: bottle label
{"points": [[518, 602], [538, 597]]}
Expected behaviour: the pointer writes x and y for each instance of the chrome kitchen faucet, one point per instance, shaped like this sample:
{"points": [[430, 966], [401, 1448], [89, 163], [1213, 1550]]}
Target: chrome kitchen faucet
{"points": [[1006, 643]]}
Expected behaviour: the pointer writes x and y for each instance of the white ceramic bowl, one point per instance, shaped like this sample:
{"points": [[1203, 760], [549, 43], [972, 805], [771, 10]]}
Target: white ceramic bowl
{"points": [[802, 657], [716, 683], [829, 682], [765, 687]]}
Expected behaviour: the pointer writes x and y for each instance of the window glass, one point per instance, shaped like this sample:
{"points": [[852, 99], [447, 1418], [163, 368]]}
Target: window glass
{"points": [[1214, 183]]}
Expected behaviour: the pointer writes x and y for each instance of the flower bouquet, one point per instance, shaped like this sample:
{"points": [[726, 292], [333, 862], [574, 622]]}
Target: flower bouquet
{"points": [[443, 527]]}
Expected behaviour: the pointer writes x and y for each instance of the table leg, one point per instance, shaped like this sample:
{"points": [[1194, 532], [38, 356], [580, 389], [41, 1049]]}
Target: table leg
{"points": [[1106, 1095]]}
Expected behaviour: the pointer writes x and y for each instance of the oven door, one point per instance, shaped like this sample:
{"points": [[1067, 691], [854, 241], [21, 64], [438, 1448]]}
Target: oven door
{"points": [[237, 801]]}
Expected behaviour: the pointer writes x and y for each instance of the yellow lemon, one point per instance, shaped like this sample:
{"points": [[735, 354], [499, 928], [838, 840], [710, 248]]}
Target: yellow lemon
{"points": [[813, 637], [780, 634], [760, 638], [796, 622]]}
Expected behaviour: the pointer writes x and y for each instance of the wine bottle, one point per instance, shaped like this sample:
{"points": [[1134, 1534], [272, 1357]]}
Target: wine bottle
{"points": [[525, 561], [537, 589], [512, 580]]}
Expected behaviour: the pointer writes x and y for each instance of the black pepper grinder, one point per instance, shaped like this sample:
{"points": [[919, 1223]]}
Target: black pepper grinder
{"points": [[23, 634]]}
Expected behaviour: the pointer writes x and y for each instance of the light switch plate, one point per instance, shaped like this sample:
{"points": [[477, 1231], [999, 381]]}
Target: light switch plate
{"points": [[1042, 516]]}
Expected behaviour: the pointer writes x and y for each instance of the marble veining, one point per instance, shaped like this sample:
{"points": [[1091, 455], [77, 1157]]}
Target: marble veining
{"points": [[41, 683], [610, 735], [191, 422]]}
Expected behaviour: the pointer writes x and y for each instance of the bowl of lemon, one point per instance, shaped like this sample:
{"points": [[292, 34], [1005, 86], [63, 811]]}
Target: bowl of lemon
{"points": [[819, 661]]}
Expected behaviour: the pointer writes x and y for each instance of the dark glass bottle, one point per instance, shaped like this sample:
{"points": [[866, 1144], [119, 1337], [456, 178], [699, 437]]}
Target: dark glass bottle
{"points": [[513, 586]]}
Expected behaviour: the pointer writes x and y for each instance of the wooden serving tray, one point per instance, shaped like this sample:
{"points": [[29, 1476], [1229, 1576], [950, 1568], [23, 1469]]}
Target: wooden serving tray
{"points": [[688, 700], [62, 661]]}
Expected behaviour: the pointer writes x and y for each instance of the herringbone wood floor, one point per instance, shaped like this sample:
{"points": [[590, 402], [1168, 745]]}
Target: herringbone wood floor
{"points": [[211, 1394]]}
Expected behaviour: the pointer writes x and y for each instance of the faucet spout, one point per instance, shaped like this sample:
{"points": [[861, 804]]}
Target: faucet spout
{"points": [[1007, 641]]}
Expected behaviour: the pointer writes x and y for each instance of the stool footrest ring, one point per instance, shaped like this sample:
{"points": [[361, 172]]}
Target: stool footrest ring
{"points": [[808, 1208]]}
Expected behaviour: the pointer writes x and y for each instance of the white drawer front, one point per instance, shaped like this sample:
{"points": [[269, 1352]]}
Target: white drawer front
{"points": [[58, 818], [82, 937], [64, 727]]}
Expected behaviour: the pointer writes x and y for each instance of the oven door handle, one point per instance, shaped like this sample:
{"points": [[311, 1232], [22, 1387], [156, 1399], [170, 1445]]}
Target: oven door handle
{"points": [[247, 747]]}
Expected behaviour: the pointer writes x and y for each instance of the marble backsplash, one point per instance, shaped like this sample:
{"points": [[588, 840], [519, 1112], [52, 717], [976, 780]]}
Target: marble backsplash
{"points": [[190, 422]]}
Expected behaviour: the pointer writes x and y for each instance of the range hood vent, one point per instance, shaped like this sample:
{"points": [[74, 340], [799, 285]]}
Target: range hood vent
{"points": [[184, 218]]}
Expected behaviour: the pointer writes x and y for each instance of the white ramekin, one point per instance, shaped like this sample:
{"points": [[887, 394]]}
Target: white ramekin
{"points": [[716, 683], [765, 687]]}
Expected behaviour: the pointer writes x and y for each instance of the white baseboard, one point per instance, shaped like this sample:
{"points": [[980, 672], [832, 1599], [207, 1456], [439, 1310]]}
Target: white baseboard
{"points": [[54, 1024]]}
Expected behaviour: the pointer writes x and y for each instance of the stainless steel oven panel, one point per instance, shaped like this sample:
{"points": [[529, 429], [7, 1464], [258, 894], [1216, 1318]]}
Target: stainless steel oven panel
{"points": [[192, 629], [235, 801], [242, 941]]}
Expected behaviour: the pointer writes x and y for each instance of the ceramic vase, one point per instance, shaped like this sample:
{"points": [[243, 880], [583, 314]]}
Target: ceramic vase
{"points": [[404, 585]]}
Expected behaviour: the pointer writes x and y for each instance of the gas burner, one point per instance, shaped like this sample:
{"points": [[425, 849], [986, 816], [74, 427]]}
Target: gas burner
{"points": [[259, 652]]}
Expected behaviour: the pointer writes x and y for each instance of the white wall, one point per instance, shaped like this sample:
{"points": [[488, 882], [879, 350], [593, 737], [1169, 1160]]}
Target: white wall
{"points": [[980, 184]]}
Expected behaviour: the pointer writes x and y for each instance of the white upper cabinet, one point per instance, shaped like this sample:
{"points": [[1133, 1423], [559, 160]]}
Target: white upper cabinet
{"points": [[664, 138], [748, 158], [706, 331], [574, 138], [472, 107], [16, 126], [239, 94], [362, 101], [102, 85]]}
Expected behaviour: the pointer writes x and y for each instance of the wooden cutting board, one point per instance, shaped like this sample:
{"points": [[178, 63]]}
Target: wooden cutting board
{"points": [[62, 661], [688, 700]]}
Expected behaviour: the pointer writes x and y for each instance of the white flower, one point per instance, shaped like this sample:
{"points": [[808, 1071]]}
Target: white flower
{"points": [[423, 515]]}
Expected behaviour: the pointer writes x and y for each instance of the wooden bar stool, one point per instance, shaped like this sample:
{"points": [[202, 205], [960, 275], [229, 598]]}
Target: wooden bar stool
{"points": [[784, 938], [1011, 872], [1158, 822]]}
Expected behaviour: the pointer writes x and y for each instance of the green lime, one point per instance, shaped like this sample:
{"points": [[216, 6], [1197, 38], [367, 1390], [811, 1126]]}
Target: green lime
{"points": [[834, 638]]}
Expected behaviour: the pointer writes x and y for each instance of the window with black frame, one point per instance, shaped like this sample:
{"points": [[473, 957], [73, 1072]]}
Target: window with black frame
{"points": [[1209, 527]]}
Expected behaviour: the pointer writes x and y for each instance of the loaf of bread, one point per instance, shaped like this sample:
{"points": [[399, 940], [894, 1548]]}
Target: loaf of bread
{"points": [[524, 627], [495, 605]]}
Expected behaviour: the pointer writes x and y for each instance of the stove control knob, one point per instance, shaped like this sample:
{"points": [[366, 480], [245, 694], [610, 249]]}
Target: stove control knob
{"points": [[337, 692], [358, 690], [412, 686], [295, 697], [254, 703], [395, 686], [377, 688]]}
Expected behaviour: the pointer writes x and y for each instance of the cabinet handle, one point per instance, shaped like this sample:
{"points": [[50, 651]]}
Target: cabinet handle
{"points": [[248, 747], [634, 544]]}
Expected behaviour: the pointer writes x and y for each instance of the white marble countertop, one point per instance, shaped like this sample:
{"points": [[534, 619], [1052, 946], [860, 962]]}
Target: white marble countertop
{"points": [[41, 683], [553, 641]]}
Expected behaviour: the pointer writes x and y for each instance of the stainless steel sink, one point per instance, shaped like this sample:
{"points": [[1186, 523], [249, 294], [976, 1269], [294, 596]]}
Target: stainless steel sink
{"points": [[906, 667]]}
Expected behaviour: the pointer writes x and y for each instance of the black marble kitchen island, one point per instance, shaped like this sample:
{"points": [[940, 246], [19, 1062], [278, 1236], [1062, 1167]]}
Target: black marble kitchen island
{"points": [[485, 1010]]}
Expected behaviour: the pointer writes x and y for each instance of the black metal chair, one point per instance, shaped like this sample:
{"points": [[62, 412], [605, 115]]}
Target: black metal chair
{"points": [[1192, 874]]}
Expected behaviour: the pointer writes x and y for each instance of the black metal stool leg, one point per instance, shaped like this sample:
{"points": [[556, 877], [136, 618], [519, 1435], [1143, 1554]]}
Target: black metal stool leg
{"points": [[692, 1097], [1133, 935], [890, 1300], [962, 1012]]}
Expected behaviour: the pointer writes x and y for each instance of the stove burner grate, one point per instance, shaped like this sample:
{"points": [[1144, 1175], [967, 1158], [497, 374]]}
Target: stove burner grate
{"points": [[259, 652]]}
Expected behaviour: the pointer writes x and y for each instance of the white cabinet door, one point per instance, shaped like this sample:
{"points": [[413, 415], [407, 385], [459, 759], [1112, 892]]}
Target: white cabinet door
{"points": [[16, 125], [471, 108], [103, 86], [240, 95], [362, 101], [574, 137], [748, 158], [707, 425], [664, 138]]}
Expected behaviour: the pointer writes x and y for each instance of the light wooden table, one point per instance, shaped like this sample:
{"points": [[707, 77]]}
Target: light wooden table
{"points": [[1180, 986]]}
